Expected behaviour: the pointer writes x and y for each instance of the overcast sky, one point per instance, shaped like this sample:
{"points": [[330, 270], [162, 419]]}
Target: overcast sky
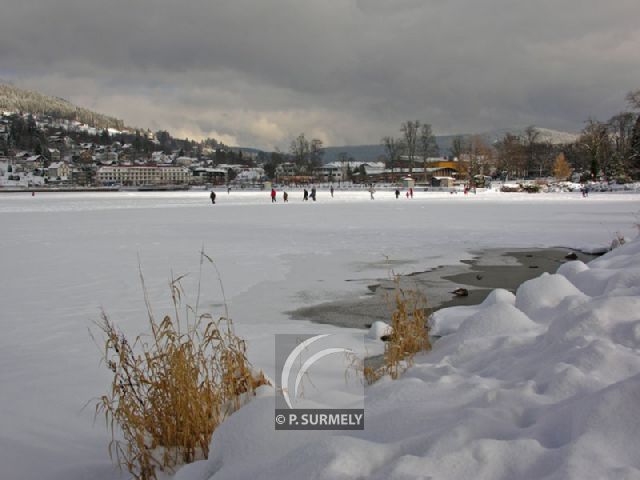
{"points": [[259, 72]]}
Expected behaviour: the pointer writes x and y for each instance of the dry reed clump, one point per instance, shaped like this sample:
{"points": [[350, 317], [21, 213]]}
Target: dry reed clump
{"points": [[171, 389], [409, 336]]}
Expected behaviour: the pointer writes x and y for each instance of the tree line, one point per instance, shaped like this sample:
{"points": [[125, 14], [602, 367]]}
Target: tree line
{"points": [[609, 149]]}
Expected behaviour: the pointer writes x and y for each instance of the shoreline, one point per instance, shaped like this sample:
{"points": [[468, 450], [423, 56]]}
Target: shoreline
{"points": [[489, 269]]}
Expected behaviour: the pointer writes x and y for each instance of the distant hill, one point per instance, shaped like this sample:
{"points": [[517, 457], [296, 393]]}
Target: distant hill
{"points": [[554, 137], [14, 99], [364, 153], [368, 153]]}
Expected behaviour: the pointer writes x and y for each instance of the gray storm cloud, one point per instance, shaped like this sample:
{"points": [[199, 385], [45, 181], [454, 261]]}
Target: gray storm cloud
{"points": [[260, 72]]}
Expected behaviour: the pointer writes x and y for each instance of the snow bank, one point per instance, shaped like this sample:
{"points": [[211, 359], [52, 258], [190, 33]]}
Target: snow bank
{"points": [[543, 384]]}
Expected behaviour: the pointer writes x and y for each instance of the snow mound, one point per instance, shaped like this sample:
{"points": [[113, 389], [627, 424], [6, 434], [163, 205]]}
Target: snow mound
{"points": [[572, 269], [446, 321], [500, 295], [539, 297], [495, 320], [379, 329]]}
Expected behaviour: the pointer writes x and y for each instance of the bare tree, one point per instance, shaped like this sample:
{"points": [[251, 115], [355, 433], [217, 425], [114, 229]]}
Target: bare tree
{"points": [[511, 156], [409, 130], [316, 152], [427, 146], [531, 137], [393, 149], [634, 99], [343, 158], [299, 150], [594, 142], [306, 155], [459, 146], [478, 157]]}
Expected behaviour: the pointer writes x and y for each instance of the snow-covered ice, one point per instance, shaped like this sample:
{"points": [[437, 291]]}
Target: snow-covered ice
{"points": [[543, 385]]}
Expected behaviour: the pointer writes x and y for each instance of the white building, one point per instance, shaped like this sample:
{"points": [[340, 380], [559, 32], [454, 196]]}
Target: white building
{"points": [[143, 175], [186, 161], [59, 170], [251, 175]]}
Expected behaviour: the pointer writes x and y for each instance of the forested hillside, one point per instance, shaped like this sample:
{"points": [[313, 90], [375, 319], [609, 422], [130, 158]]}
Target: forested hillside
{"points": [[18, 100]]}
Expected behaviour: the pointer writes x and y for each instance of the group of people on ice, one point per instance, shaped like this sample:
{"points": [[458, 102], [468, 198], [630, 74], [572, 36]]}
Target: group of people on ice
{"points": [[306, 194], [409, 193]]}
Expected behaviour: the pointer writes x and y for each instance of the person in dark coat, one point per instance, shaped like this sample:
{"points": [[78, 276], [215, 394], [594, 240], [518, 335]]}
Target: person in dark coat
{"points": [[397, 193], [305, 196], [213, 197], [285, 197], [331, 190], [313, 193]]}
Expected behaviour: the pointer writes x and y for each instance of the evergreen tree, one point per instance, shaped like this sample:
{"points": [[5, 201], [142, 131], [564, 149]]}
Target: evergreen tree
{"points": [[634, 150]]}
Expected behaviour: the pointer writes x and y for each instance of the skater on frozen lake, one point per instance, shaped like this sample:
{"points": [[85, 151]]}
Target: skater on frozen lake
{"points": [[397, 193], [285, 197], [331, 190], [372, 191], [305, 195], [213, 197], [273, 195], [313, 194]]}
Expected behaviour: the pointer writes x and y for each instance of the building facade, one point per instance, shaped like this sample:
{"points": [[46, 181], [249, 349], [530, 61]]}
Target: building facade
{"points": [[143, 175]]}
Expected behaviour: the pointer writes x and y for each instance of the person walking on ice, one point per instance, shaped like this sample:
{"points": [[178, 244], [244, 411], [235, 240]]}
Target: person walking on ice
{"points": [[331, 190], [213, 197], [372, 191], [273, 195], [285, 197]]}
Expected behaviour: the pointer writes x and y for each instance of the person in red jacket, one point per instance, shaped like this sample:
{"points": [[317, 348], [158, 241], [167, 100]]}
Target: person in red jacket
{"points": [[273, 195]]}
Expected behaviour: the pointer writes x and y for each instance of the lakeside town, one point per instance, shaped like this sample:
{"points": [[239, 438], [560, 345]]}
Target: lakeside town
{"points": [[45, 152]]}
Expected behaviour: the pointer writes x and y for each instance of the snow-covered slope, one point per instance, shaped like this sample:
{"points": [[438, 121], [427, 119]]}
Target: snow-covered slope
{"points": [[545, 384], [14, 99]]}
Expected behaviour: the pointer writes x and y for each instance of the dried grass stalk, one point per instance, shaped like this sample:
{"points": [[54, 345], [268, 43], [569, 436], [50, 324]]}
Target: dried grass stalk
{"points": [[409, 336], [170, 390]]}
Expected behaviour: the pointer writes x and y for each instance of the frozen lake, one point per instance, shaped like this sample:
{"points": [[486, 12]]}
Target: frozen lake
{"points": [[63, 257]]}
